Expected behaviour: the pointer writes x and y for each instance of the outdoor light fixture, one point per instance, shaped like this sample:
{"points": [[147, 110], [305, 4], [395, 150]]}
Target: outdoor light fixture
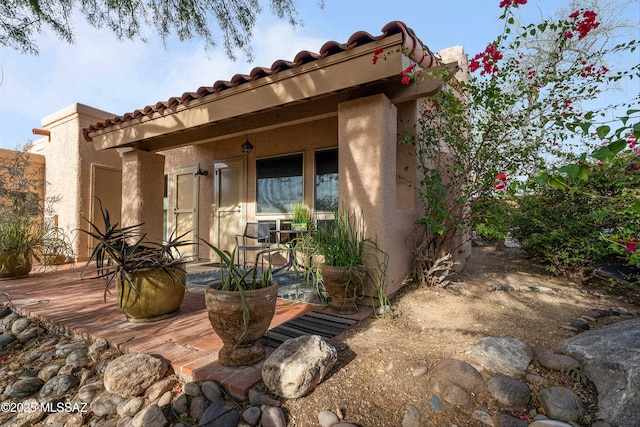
{"points": [[246, 147], [202, 172]]}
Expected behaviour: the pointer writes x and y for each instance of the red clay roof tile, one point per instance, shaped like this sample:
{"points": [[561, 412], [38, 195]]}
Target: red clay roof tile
{"points": [[412, 44]]}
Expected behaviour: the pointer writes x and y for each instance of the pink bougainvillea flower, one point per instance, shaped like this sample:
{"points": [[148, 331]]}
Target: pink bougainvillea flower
{"points": [[515, 3], [502, 176], [568, 35], [575, 14], [376, 54], [632, 245], [500, 186], [406, 80]]}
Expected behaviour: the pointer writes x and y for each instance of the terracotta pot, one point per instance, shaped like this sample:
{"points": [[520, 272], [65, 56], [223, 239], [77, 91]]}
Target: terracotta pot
{"points": [[159, 295], [242, 345], [15, 263], [343, 287]]}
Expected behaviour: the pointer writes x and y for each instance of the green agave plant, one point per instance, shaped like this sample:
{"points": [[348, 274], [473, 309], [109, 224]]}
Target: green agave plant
{"points": [[122, 251]]}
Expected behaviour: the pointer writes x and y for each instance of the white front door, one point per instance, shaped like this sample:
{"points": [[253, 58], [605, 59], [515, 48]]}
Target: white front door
{"points": [[230, 195], [183, 192]]}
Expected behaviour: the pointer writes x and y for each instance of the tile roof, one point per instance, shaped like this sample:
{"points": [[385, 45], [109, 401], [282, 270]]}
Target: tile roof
{"points": [[413, 47]]}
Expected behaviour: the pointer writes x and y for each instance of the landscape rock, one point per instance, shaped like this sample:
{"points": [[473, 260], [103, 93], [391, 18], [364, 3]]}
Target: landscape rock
{"points": [[557, 362], [611, 357], [503, 356], [106, 403], [483, 417], [211, 390], [272, 417], [220, 414], [560, 403], [411, 417], [327, 418], [298, 366], [131, 374], [58, 386], [509, 391], [151, 416], [454, 380], [506, 420], [252, 415]]}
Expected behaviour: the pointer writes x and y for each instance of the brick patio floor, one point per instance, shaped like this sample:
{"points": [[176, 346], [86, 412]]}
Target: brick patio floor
{"points": [[187, 341]]}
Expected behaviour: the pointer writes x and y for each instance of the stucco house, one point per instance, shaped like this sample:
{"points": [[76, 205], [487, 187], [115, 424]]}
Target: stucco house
{"points": [[319, 129]]}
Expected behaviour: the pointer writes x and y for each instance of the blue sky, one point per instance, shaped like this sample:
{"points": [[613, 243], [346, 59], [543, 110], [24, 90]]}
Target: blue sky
{"points": [[121, 76]]}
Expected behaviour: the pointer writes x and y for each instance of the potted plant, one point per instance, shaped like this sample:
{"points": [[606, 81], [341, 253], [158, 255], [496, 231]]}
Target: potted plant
{"points": [[25, 235], [353, 266], [241, 306], [150, 277], [300, 216]]}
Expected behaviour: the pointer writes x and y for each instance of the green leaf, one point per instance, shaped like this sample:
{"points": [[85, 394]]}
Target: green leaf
{"points": [[572, 170], [542, 178], [603, 131], [630, 112], [603, 153], [617, 146], [585, 127], [583, 172], [624, 119], [636, 207], [557, 182]]}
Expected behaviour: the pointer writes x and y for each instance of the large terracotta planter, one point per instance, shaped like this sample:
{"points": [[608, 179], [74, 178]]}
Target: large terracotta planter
{"points": [[242, 345], [343, 287], [159, 296], [15, 263]]}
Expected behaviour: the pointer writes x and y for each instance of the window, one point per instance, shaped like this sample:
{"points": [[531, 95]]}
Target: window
{"points": [[326, 179], [279, 183]]}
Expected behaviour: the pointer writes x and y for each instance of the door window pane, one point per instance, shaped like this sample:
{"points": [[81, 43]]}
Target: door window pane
{"points": [[279, 183], [326, 193]]}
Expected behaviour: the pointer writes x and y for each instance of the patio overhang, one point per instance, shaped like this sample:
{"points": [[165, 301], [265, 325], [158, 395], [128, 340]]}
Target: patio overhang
{"points": [[304, 93]]}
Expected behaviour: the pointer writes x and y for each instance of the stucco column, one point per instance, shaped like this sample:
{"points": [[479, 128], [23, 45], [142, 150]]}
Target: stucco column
{"points": [[142, 191], [367, 139]]}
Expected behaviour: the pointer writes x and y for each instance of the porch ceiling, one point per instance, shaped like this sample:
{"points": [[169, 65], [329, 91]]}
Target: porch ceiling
{"points": [[303, 93]]}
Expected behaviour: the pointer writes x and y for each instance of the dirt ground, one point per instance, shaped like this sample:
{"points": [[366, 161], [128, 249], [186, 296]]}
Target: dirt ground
{"points": [[372, 381]]}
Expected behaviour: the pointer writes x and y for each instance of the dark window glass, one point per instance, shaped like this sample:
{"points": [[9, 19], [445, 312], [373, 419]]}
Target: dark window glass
{"points": [[326, 180]]}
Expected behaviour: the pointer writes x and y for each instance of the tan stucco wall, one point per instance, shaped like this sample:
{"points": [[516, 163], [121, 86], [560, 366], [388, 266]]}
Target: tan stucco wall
{"points": [[369, 181], [302, 138], [142, 190], [69, 162]]}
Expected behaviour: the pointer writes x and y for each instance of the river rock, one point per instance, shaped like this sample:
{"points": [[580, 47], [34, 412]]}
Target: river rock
{"points": [[509, 391], [160, 388], [273, 417], [611, 357], [20, 325], [560, 403], [454, 380], [6, 339], [106, 403], [25, 387], [502, 356], [58, 386], [151, 416], [131, 374], [298, 366]]}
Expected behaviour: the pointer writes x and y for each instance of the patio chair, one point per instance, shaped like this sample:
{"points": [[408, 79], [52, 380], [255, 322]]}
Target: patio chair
{"points": [[256, 237]]}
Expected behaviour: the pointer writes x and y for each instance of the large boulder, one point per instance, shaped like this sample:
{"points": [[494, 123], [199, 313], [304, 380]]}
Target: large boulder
{"points": [[298, 366], [611, 357]]}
